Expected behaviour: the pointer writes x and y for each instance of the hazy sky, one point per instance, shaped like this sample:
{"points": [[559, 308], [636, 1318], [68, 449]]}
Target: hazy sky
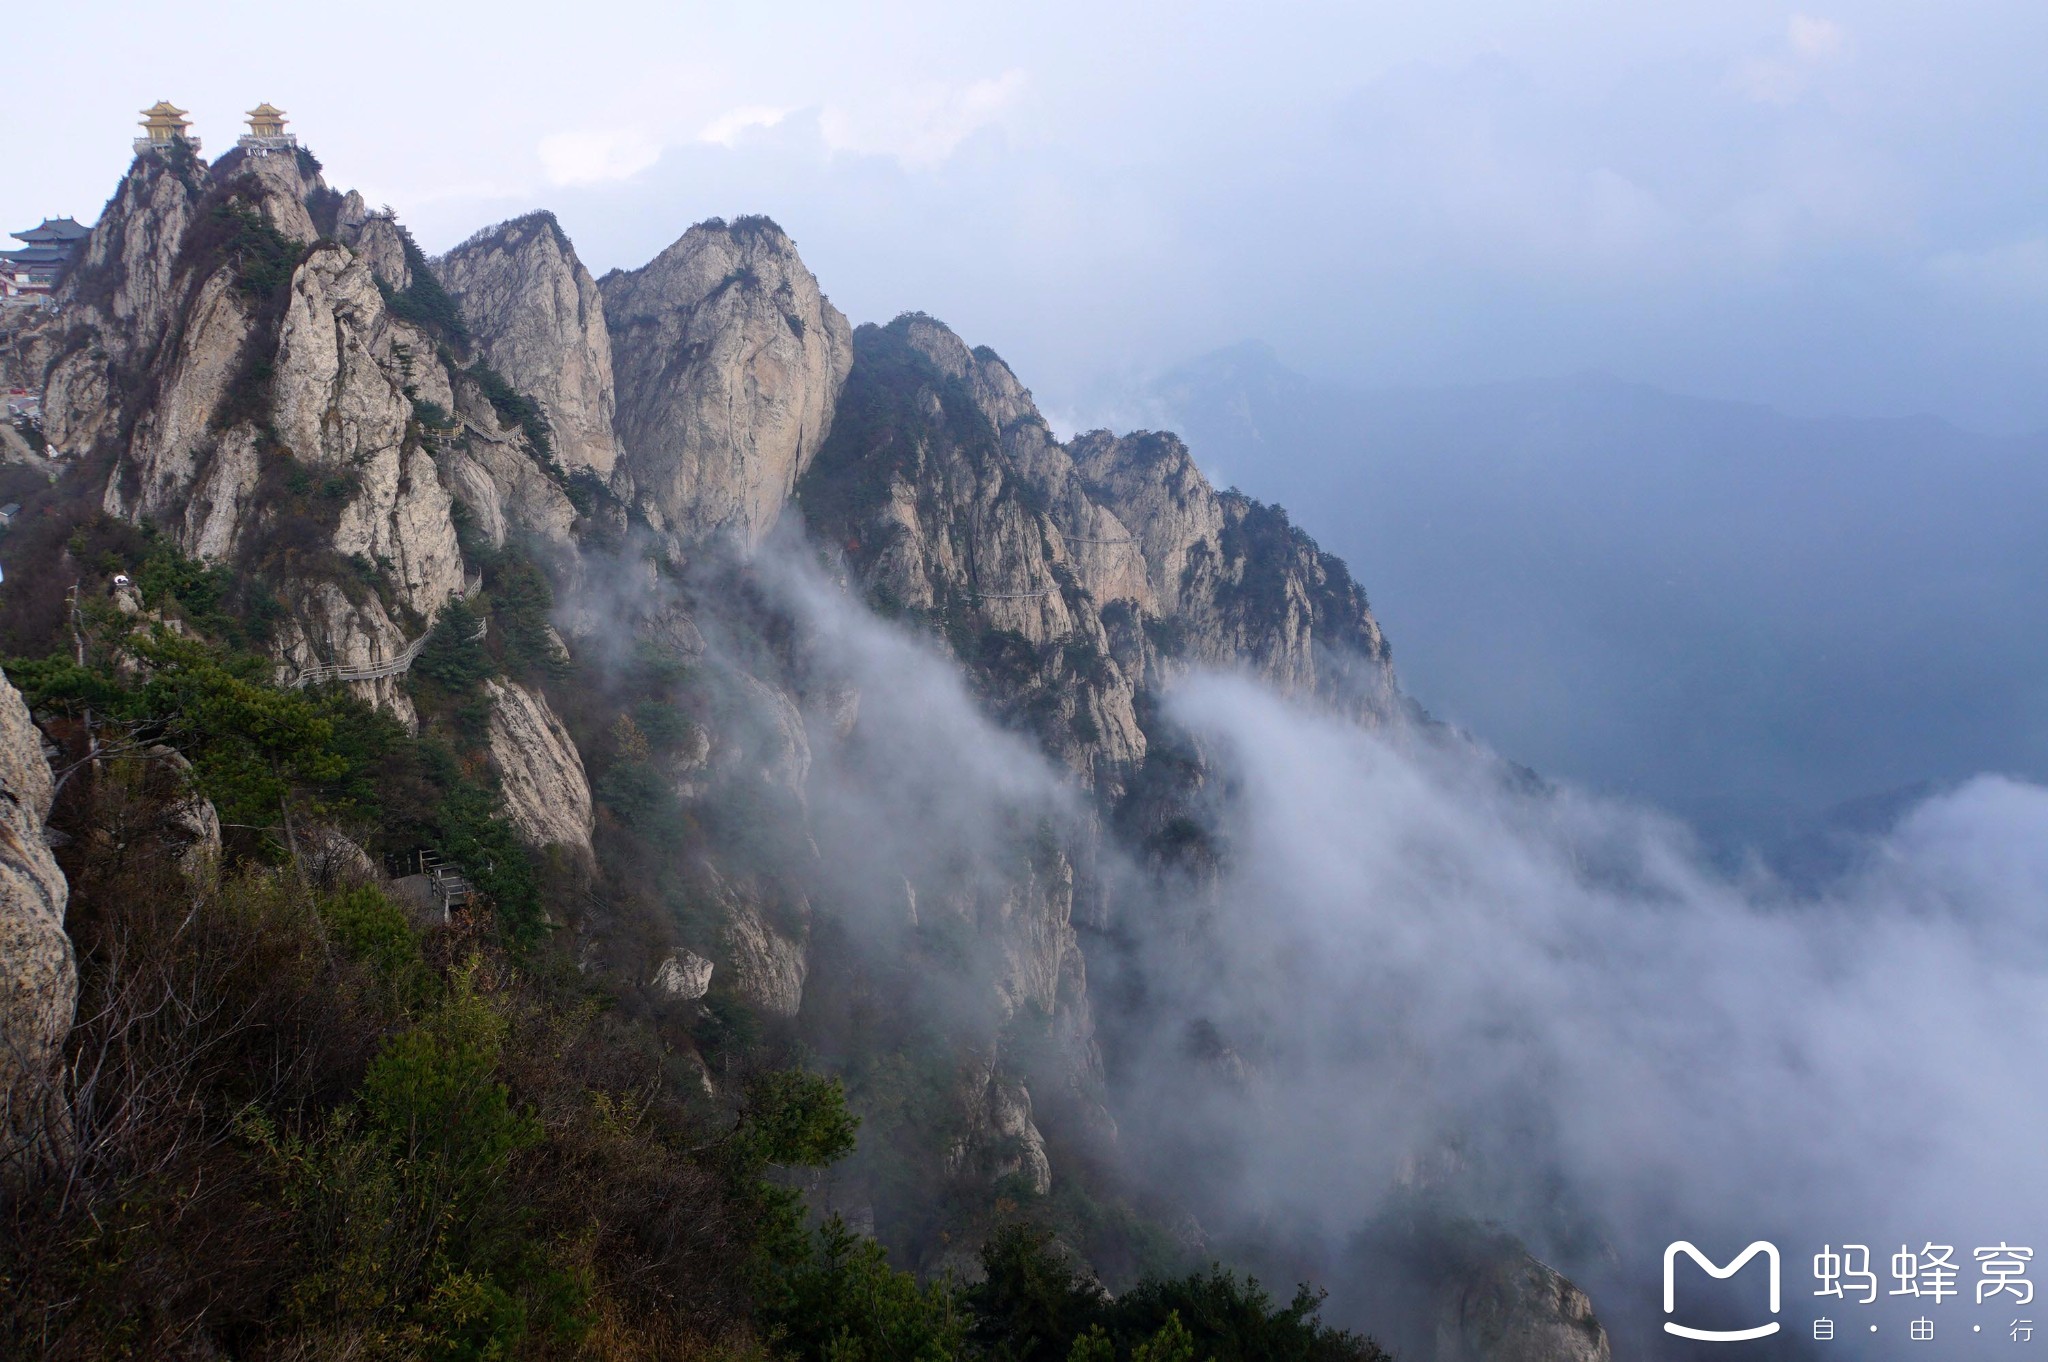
{"points": [[1835, 209]]}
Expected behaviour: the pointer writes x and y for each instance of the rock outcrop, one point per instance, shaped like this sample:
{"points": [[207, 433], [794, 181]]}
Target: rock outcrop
{"points": [[1111, 561], [122, 287], [278, 384], [769, 962], [38, 974], [120, 299], [539, 770], [683, 977], [493, 470], [538, 317], [1002, 1140], [380, 244], [1240, 586], [1518, 1310], [728, 364], [273, 397]]}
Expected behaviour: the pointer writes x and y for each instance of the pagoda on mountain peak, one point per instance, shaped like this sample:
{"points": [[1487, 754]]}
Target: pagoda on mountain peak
{"points": [[164, 125], [266, 132]]}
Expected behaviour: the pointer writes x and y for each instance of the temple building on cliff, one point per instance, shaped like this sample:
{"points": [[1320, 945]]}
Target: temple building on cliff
{"points": [[164, 125], [266, 132], [30, 275]]}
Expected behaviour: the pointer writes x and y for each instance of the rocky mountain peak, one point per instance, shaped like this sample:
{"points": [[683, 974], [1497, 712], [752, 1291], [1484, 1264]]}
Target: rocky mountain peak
{"points": [[121, 283], [276, 381], [728, 363], [1002, 399], [278, 186], [538, 318]]}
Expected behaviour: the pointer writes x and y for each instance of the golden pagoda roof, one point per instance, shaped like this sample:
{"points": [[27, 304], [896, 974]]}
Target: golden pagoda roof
{"points": [[163, 114], [267, 111]]}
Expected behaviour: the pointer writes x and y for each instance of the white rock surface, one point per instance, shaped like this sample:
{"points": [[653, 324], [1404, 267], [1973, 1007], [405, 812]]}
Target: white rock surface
{"points": [[539, 769], [728, 362], [1519, 1310], [38, 974], [684, 976], [174, 436], [381, 246], [769, 965], [539, 319]]}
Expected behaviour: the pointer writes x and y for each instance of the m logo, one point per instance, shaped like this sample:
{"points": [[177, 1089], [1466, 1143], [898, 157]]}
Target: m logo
{"points": [[1671, 1252]]}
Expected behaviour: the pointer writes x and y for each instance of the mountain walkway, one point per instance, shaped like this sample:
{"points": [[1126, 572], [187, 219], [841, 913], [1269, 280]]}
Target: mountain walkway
{"points": [[392, 666]]}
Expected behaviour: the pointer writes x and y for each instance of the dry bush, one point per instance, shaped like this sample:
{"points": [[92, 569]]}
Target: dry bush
{"points": [[198, 1002]]}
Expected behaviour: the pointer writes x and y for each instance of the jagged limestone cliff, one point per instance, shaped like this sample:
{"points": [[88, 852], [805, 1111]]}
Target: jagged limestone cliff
{"points": [[728, 361], [292, 398], [1111, 560], [319, 422], [243, 352], [538, 317], [38, 976], [539, 769]]}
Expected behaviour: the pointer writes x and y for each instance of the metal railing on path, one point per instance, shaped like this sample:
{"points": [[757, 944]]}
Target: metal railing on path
{"points": [[390, 666]]}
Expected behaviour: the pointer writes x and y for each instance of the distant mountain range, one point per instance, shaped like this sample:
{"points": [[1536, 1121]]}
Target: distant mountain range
{"points": [[1745, 616]]}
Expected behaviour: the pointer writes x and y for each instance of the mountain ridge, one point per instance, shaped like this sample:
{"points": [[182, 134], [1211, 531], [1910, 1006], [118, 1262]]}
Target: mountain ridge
{"points": [[337, 438]]}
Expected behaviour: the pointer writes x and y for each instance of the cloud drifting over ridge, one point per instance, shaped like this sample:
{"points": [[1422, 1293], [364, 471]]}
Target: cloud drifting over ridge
{"points": [[1557, 989], [1414, 975]]}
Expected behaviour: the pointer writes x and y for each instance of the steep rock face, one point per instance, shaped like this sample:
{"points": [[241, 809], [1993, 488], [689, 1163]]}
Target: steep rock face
{"points": [[122, 286], [1094, 545], [285, 184], [1237, 583], [728, 362], [375, 237], [1518, 1310], [265, 402], [539, 319], [954, 495], [683, 977], [119, 300], [1001, 1138], [492, 469], [1113, 558], [172, 435], [332, 624], [379, 244], [539, 770], [768, 958], [38, 975], [191, 825], [924, 488], [343, 368]]}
